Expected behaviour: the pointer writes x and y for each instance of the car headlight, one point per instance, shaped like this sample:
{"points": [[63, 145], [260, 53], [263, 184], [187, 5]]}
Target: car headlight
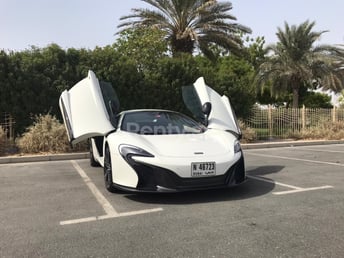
{"points": [[237, 147], [128, 151]]}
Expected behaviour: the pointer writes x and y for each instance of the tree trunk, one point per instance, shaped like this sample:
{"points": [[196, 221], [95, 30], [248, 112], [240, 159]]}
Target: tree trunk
{"points": [[183, 45], [296, 97]]}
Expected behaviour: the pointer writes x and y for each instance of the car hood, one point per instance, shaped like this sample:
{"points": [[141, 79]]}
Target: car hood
{"points": [[209, 143]]}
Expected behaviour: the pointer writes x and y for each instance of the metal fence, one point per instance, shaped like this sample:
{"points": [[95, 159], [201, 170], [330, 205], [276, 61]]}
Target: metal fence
{"points": [[270, 123], [6, 132]]}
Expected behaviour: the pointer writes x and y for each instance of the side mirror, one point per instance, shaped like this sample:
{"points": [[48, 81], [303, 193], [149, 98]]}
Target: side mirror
{"points": [[206, 109]]}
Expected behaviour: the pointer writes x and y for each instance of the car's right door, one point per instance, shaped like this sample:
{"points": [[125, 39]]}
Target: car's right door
{"points": [[221, 116]]}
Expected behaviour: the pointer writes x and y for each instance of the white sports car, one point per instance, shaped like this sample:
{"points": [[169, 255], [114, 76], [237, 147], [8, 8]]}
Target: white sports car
{"points": [[156, 150]]}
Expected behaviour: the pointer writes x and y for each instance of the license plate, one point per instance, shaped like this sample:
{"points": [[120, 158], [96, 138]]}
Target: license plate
{"points": [[199, 169]]}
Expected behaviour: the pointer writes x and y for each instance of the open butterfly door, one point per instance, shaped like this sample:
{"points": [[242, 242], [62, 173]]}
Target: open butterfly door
{"points": [[221, 115], [89, 109]]}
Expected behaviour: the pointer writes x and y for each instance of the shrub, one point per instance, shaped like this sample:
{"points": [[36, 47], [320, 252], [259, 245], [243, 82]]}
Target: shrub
{"points": [[47, 134], [325, 131], [2, 140], [2, 135], [248, 134]]}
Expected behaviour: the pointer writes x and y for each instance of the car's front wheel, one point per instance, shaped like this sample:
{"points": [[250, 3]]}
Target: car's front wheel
{"points": [[108, 171]]}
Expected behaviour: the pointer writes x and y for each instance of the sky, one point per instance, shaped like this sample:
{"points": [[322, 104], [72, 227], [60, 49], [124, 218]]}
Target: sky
{"points": [[89, 23]]}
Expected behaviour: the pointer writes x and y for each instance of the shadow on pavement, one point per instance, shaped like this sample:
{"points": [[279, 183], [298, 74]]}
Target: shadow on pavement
{"points": [[250, 189], [264, 170]]}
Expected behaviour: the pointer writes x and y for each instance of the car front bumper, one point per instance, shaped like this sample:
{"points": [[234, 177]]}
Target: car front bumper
{"points": [[157, 179]]}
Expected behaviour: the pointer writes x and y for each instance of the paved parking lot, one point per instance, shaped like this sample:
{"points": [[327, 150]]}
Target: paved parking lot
{"points": [[291, 206]]}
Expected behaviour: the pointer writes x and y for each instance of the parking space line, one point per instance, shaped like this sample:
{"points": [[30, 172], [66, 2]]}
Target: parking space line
{"points": [[76, 221], [108, 208], [296, 189], [274, 182], [330, 151], [123, 214], [296, 159], [130, 213], [303, 190]]}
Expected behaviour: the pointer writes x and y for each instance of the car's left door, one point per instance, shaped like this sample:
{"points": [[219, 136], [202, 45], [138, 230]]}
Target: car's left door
{"points": [[89, 109]]}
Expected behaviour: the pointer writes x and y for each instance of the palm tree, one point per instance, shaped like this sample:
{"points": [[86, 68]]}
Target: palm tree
{"points": [[191, 24], [294, 62]]}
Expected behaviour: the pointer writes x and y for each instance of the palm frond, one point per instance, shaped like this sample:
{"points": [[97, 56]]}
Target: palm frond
{"points": [[295, 61], [188, 23]]}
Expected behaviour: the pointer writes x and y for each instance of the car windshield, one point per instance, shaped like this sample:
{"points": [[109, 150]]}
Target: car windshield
{"points": [[160, 122]]}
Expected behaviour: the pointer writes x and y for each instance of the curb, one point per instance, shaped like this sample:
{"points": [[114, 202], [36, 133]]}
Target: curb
{"points": [[85, 155], [264, 145], [40, 158]]}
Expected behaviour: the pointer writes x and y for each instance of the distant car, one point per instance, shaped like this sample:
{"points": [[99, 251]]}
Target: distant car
{"points": [[156, 150]]}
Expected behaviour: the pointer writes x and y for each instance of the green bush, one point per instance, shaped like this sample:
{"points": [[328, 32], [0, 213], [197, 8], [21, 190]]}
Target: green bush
{"points": [[47, 134]]}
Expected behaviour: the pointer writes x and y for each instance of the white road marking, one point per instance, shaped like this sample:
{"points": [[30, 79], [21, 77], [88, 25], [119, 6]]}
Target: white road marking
{"points": [[330, 151], [108, 208], [123, 214], [303, 190], [75, 221], [274, 182], [130, 213], [296, 159], [296, 189]]}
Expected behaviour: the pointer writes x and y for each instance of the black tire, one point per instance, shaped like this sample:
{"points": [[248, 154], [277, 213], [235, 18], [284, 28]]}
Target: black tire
{"points": [[93, 162], [108, 171]]}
